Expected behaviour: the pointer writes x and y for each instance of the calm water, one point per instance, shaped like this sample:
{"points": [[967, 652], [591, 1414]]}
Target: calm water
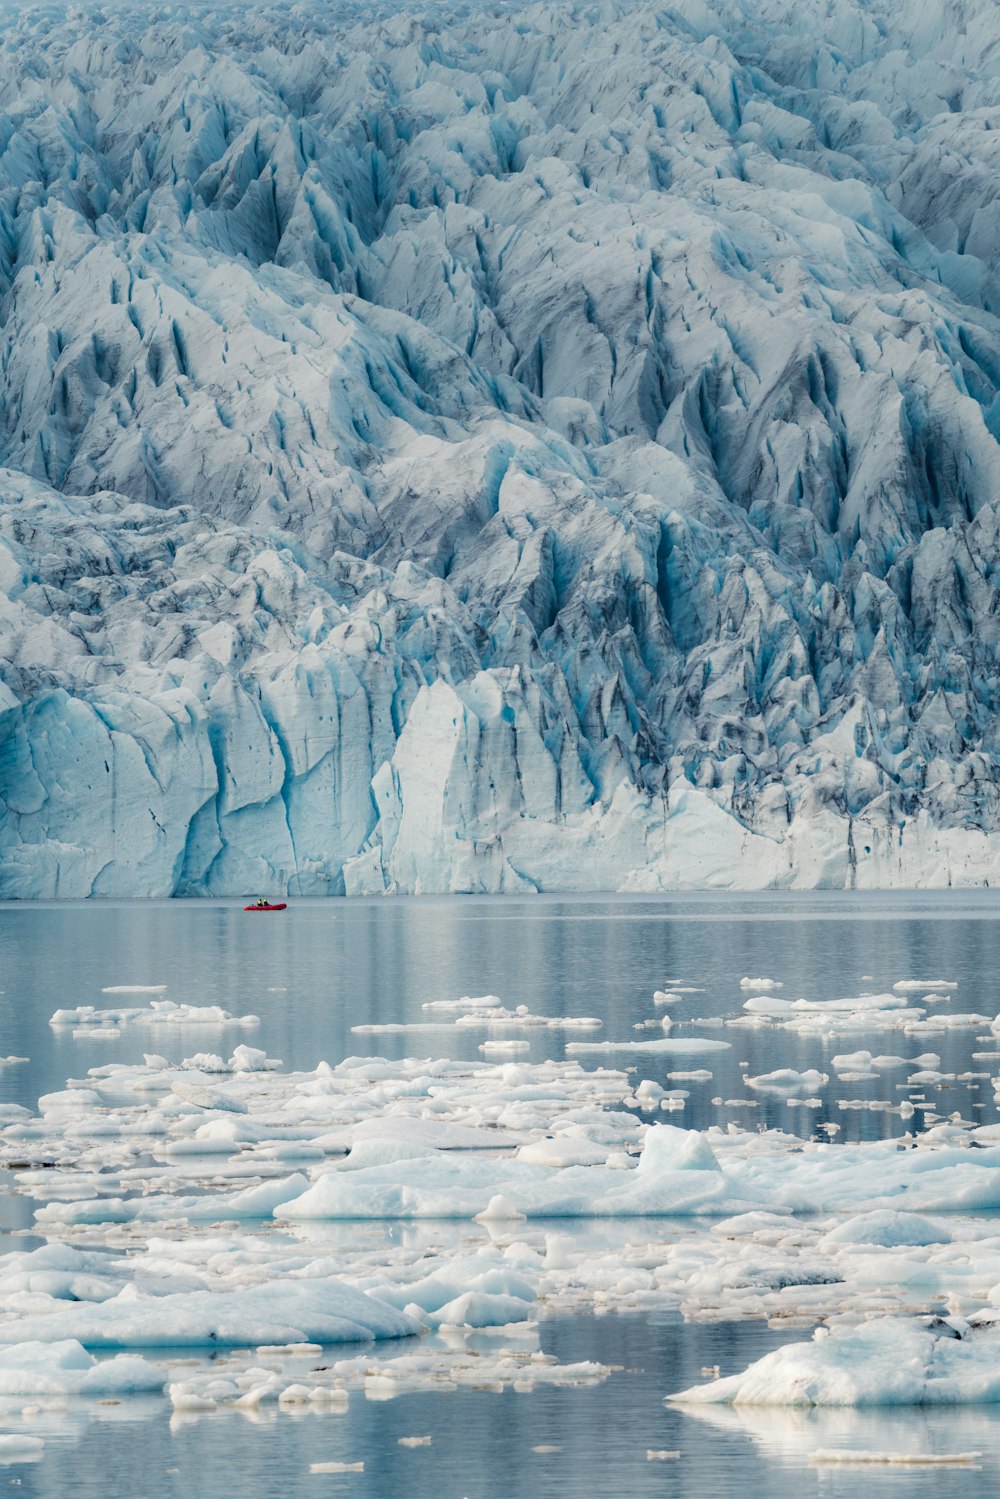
{"points": [[482, 1442], [316, 970], [322, 967]]}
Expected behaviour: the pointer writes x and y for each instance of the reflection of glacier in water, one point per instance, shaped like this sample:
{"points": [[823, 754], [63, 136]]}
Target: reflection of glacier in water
{"points": [[156, 1181]]}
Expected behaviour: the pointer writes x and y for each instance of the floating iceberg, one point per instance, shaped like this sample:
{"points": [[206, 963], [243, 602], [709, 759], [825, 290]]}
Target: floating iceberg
{"points": [[889, 1361], [271, 1312], [63, 1367]]}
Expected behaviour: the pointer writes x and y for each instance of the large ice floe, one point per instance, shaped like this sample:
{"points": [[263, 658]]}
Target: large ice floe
{"points": [[232, 1204], [529, 448], [887, 1361]]}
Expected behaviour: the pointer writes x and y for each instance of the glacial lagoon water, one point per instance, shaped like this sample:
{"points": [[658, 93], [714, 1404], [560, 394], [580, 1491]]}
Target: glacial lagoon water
{"points": [[321, 968]]}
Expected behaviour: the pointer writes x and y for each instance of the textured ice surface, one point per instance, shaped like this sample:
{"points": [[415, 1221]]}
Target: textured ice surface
{"points": [[159, 1012], [498, 450], [888, 1361], [236, 1205], [57, 1368], [268, 1312]]}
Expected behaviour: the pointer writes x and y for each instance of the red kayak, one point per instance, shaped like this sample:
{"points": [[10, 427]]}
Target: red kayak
{"points": [[280, 906]]}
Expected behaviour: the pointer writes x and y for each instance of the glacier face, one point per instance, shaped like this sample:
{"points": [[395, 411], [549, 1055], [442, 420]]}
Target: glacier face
{"points": [[553, 447]]}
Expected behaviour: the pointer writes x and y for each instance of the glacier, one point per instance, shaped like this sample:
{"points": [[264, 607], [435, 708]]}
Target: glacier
{"points": [[534, 448]]}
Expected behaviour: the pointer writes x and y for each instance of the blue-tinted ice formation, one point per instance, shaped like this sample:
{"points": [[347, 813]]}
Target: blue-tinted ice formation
{"points": [[540, 448]]}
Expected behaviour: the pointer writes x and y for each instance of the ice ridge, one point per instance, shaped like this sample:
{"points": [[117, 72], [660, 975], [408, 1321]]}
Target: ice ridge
{"points": [[546, 449]]}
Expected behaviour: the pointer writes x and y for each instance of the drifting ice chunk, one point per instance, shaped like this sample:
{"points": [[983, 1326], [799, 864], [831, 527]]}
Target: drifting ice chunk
{"points": [[787, 1080], [780, 1008], [300, 1311], [922, 986], [465, 1004], [134, 989], [667, 1148], [689, 1045], [160, 1012], [845, 1458], [889, 1361], [64, 1367], [564, 1150]]}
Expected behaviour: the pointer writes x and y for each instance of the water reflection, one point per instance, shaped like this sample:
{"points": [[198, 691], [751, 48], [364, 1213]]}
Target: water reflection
{"points": [[325, 966], [792, 1436]]}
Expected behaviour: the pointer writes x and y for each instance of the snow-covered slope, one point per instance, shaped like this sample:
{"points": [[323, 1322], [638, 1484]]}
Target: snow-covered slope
{"points": [[549, 447]]}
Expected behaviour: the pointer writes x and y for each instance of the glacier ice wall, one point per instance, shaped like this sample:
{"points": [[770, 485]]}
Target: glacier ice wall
{"points": [[553, 447]]}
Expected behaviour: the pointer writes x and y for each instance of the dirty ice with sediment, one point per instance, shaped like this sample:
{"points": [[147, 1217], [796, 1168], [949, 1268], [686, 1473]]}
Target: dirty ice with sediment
{"points": [[533, 448]]}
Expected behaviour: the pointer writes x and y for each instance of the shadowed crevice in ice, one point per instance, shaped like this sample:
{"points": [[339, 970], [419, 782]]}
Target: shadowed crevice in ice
{"points": [[498, 452]]}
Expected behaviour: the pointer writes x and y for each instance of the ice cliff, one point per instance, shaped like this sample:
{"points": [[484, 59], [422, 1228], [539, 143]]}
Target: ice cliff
{"points": [[523, 448]]}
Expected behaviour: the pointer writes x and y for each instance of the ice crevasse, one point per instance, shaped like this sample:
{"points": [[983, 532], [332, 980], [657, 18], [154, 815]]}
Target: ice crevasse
{"points": [[547, 450]]}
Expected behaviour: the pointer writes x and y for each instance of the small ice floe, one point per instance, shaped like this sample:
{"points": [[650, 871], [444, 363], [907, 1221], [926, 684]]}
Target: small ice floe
{"points": [[63, 1367], [761, 984], [690, 1045], [400, 1027], [306, 1310], [521, 1016], [779, 1009], [485, 1012], [160, 1012], [948, 1023], [661, 1454], [248, 1389], [509, 1048], [134, 989], [923, 1361], [919, 986], [566, 1150], [829, 1457], [337, 1467], [413, 1441], [787, 1080], [447, 1366], [467, 1003], [863, 1063]]}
